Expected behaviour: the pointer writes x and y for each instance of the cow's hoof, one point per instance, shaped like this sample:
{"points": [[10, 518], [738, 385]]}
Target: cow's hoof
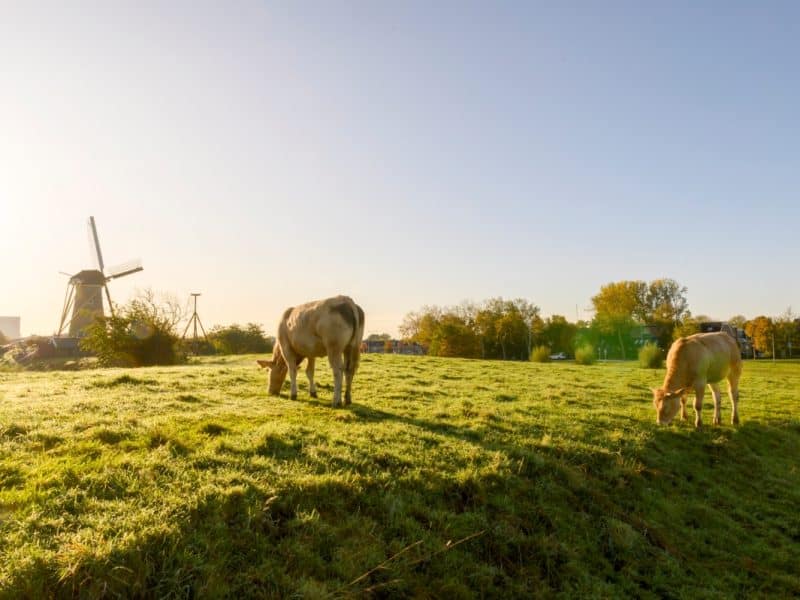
{"points": [[348, 400], [313, 394]]}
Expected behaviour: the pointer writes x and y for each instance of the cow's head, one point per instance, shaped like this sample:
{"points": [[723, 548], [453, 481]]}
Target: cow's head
{"points": [[277, 371], [667, 404]]}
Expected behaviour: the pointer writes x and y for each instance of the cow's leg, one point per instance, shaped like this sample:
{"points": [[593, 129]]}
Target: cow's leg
{"points": [[348, 382], [350, 362], [717, 402], [312, 388], [291, 363], [699, 390], [683, 407], [733, 392], [335, 360]]}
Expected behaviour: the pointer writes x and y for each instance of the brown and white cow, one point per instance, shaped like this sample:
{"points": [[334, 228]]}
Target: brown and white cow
{"points": [[334, 328], [692, 363]]}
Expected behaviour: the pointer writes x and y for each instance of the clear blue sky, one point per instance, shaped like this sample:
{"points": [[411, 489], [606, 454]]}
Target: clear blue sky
{"points": [[403, 153]]}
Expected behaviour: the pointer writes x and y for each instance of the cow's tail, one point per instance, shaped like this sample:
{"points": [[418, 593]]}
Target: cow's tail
{"points": [[352, 354]]}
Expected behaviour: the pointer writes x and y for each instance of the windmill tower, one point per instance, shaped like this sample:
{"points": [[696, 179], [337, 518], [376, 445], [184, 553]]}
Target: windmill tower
{"points": [[83, 302]]}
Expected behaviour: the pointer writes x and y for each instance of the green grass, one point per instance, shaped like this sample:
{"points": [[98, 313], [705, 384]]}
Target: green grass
{"points": [[445, 479]]}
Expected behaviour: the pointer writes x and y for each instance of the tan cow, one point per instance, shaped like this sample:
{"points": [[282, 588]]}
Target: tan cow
{"points": [[692, 363], [334, 328]]}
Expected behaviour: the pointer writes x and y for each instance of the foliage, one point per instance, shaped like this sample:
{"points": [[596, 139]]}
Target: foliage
{"points": [[617, 307], [651, 356], [140, 333], [497, 328], [621, 305], [585, 355], [446, 478], [689, 326], [761, 330], [559, 334], [235, 339], [375, 337], [454, 338], [540, 354]]}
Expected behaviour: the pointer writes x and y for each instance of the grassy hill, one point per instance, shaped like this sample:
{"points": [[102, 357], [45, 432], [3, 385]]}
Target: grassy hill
{"points": [[445, 479]]}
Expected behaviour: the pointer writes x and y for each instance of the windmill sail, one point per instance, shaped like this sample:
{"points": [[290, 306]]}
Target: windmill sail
{"points": [[83, 302], [132, 266], [96, 243]]}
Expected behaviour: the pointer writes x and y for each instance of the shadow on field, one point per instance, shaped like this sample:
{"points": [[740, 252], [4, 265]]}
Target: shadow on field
{"points": [[667, 517]]}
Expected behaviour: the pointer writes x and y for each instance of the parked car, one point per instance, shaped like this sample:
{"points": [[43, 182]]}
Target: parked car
{"points": [[559, 356]]}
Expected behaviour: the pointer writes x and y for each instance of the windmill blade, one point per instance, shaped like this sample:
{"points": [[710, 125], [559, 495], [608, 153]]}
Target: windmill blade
{"points": [[98, 253], [132, 266]]}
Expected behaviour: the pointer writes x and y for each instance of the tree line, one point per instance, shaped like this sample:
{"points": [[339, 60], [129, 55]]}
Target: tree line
{"points": [[626, 315]]}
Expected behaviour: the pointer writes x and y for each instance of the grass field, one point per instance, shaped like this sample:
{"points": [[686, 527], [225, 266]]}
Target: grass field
{"points": [[445, 479]]}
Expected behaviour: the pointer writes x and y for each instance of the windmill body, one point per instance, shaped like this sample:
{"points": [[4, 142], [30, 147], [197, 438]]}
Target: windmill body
{"points": [[83, 302]]}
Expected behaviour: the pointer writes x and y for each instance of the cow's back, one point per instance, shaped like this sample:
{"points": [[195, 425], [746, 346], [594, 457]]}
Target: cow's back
{"points": [[315, 327], [707, 357]]}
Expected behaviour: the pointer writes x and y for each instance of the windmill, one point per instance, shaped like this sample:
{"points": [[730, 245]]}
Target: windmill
{"points": [[83, 301]]}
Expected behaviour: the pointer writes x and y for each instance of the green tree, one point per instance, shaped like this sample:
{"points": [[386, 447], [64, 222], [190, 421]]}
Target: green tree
{"points": [[235, 339], [420, 326], [140, 333], [559, 334], [665, 306], [454, 338], [378, 337], [617, 307]]}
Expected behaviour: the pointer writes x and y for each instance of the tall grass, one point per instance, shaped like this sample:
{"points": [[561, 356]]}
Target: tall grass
{"points": [[584, 355], [651, 356], [445, 478], [541, 354]]}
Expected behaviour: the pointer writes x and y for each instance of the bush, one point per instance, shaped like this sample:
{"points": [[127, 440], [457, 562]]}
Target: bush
{"points": [[141, 333], [235, 339], [541, 354], [651, 356], [585, 355]]}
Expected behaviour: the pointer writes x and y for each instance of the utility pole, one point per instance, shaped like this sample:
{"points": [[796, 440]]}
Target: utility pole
{"points": [[195, 319]]}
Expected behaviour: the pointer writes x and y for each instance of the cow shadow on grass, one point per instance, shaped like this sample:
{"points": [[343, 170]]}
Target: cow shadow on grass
{"points": [[662, 518]]}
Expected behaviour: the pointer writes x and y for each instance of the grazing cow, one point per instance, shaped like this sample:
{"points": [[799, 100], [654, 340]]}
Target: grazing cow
{"points": [[334, 328], [692, 363]]}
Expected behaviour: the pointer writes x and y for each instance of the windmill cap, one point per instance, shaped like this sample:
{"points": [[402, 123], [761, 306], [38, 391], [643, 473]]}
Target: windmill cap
{"points": [[89, 277]]}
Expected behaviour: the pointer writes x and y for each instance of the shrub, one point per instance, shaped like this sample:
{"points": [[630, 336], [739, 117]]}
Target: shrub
{"points": [[651, 356], [141, 333], [541, 354], [585, 355], [236, 339]]}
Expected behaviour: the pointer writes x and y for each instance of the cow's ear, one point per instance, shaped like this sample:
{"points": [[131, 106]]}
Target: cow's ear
{"points": [[266, 364]]}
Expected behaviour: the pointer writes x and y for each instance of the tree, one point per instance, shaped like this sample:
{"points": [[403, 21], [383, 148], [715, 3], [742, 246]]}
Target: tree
{"points": [[378, 337], [235, 339], [665, 306], [737, 321], [497, 328], [688, 326], [559, 334], [454, 338], [761, 330], [142, 332], [617, 307], [420, 326]]}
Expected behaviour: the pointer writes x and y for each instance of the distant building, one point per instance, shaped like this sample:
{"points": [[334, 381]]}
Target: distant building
{"points": [[745, 343], [391, 347], [9, 327]]}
